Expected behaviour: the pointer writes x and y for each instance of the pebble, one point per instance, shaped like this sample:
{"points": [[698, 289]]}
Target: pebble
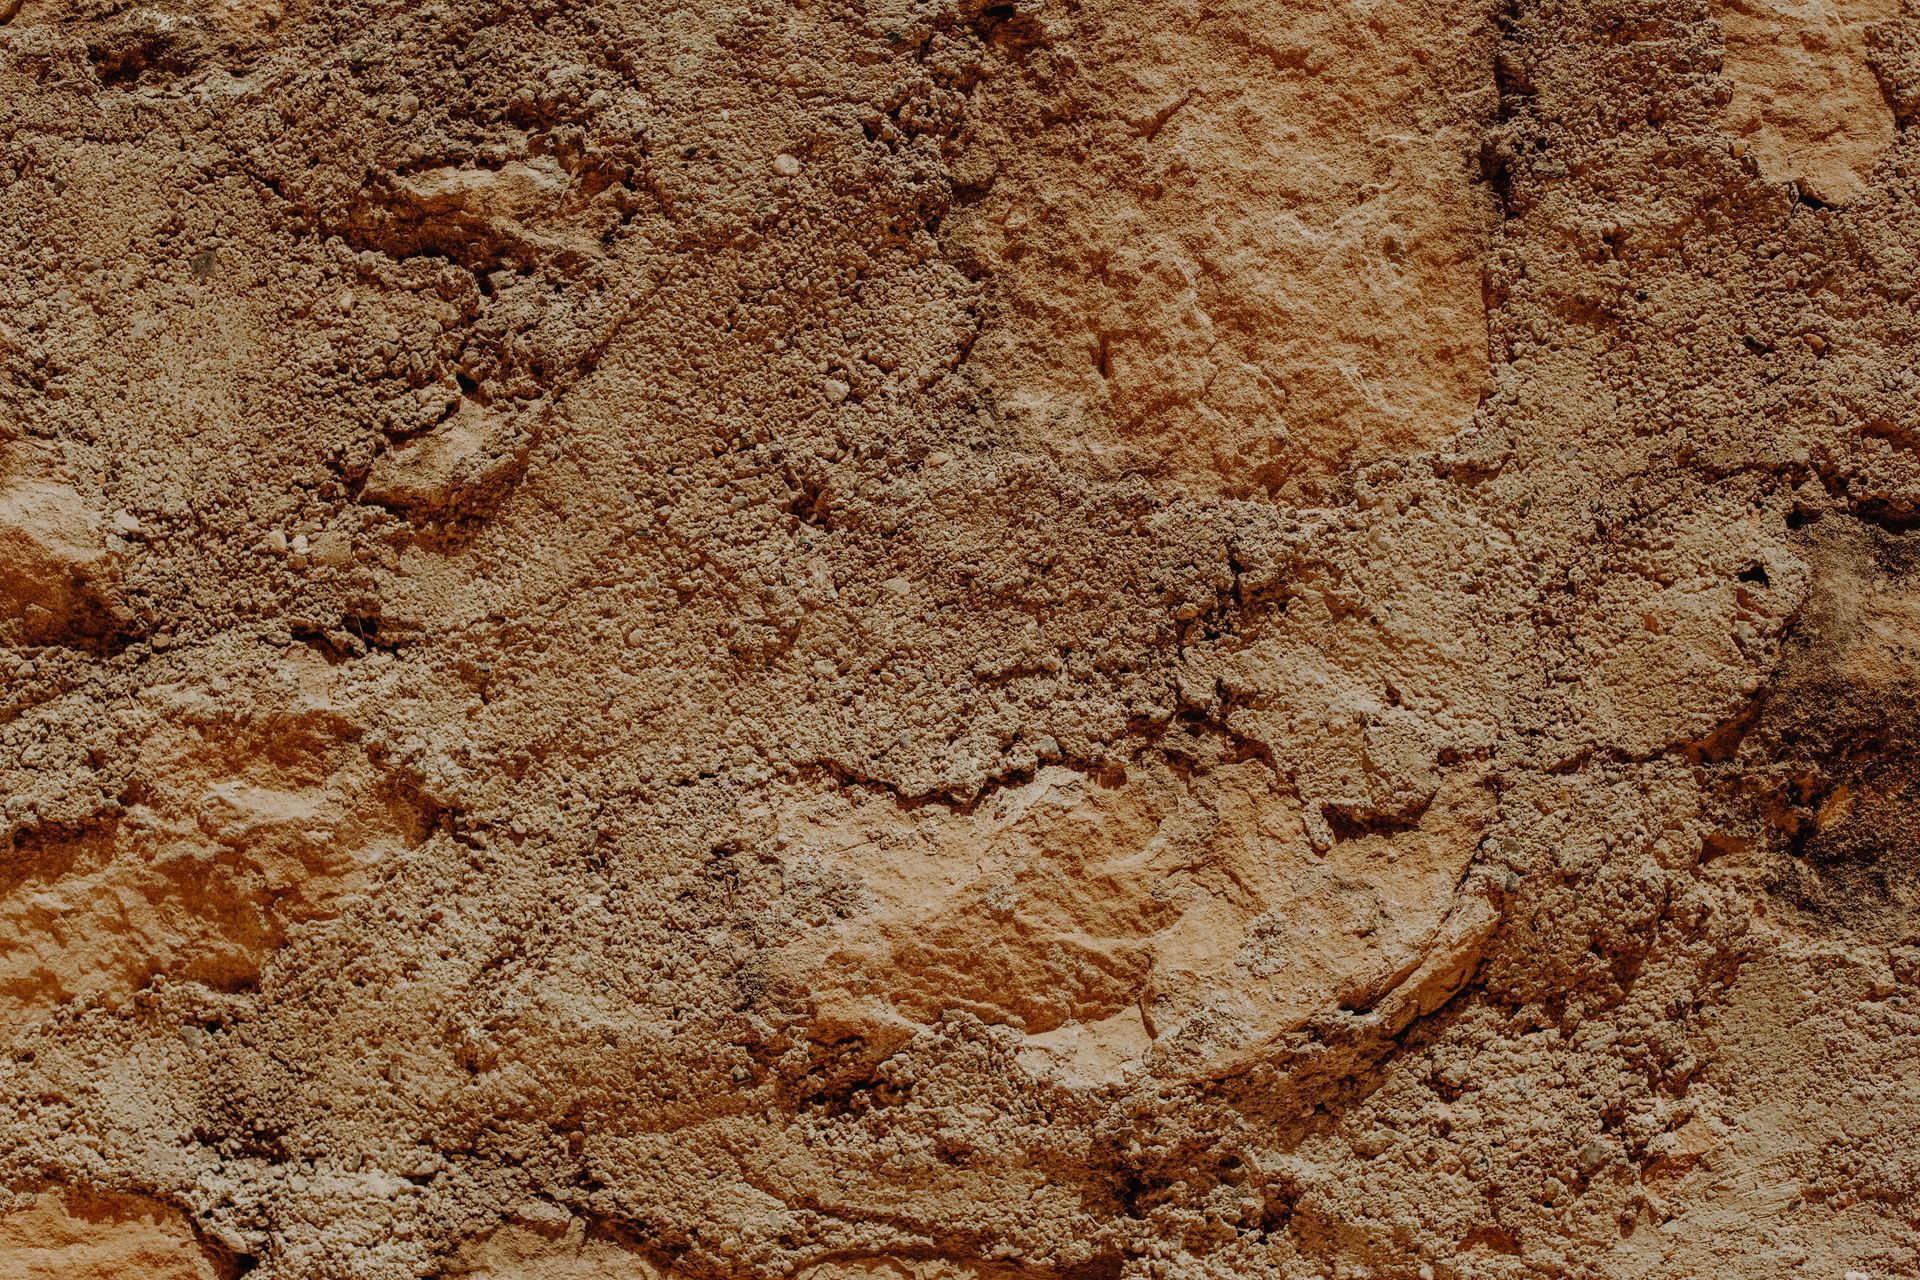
{"points": [[836, 390], [333, 549], [787, 166]]}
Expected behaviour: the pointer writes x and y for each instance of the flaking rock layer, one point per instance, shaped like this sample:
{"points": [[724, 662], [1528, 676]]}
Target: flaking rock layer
{"points": [[933, 640]]}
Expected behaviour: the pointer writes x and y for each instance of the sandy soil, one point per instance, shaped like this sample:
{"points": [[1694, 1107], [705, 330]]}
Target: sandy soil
{"points": [[927, 640]]}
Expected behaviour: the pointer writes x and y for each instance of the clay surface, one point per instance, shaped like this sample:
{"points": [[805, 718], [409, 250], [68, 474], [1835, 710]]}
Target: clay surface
{"points": [[930, 640]]}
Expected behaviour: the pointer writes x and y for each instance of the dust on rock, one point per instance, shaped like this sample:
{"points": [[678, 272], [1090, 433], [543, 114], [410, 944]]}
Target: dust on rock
{"points": [[958, 641]]}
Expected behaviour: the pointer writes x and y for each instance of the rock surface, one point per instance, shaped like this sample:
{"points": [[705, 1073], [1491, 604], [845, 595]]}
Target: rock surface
{"points": [[930, 640]]}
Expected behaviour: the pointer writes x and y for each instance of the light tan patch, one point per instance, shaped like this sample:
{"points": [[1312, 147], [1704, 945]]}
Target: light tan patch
{"points": [[550, 1252], [235, 836], [1805, 99], [1175, 924], [92, 1237], [53, 557], [1256, 256], [468, 451], [906, 1269]]}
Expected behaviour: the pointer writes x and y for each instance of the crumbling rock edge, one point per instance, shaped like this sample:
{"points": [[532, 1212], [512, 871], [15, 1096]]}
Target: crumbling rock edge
{"points": [[958, 640]]}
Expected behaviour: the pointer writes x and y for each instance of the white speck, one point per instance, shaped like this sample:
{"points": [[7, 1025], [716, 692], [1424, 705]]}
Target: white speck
{"points": [[786, 166]]}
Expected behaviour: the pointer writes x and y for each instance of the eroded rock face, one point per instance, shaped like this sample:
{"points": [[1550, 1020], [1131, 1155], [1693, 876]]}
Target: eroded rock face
{"points": [[1140, 922], [98, 1237], [955, 641], [248, 806], [555, 1248], [1233, 246], [1805, 99], [55, 566]]}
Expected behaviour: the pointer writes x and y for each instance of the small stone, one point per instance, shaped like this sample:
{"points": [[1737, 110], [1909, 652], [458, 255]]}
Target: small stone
{"points": [[275, 541], [544, 1216], [1814, 341], [125, 522], [786, 166], [333, 549], [836, 390], [50, 545]]}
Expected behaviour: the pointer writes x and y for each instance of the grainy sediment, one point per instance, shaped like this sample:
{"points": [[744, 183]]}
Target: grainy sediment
{"points": [[954, 641]]}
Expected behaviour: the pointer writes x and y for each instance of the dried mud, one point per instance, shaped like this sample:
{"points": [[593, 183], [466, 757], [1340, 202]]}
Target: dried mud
{"points": [[954, 641]]}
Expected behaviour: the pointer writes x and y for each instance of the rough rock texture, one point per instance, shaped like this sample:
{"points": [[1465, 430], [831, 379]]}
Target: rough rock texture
{"points": [[1236, 248], [1805, 97], [94, 1237], [955, 641]]}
